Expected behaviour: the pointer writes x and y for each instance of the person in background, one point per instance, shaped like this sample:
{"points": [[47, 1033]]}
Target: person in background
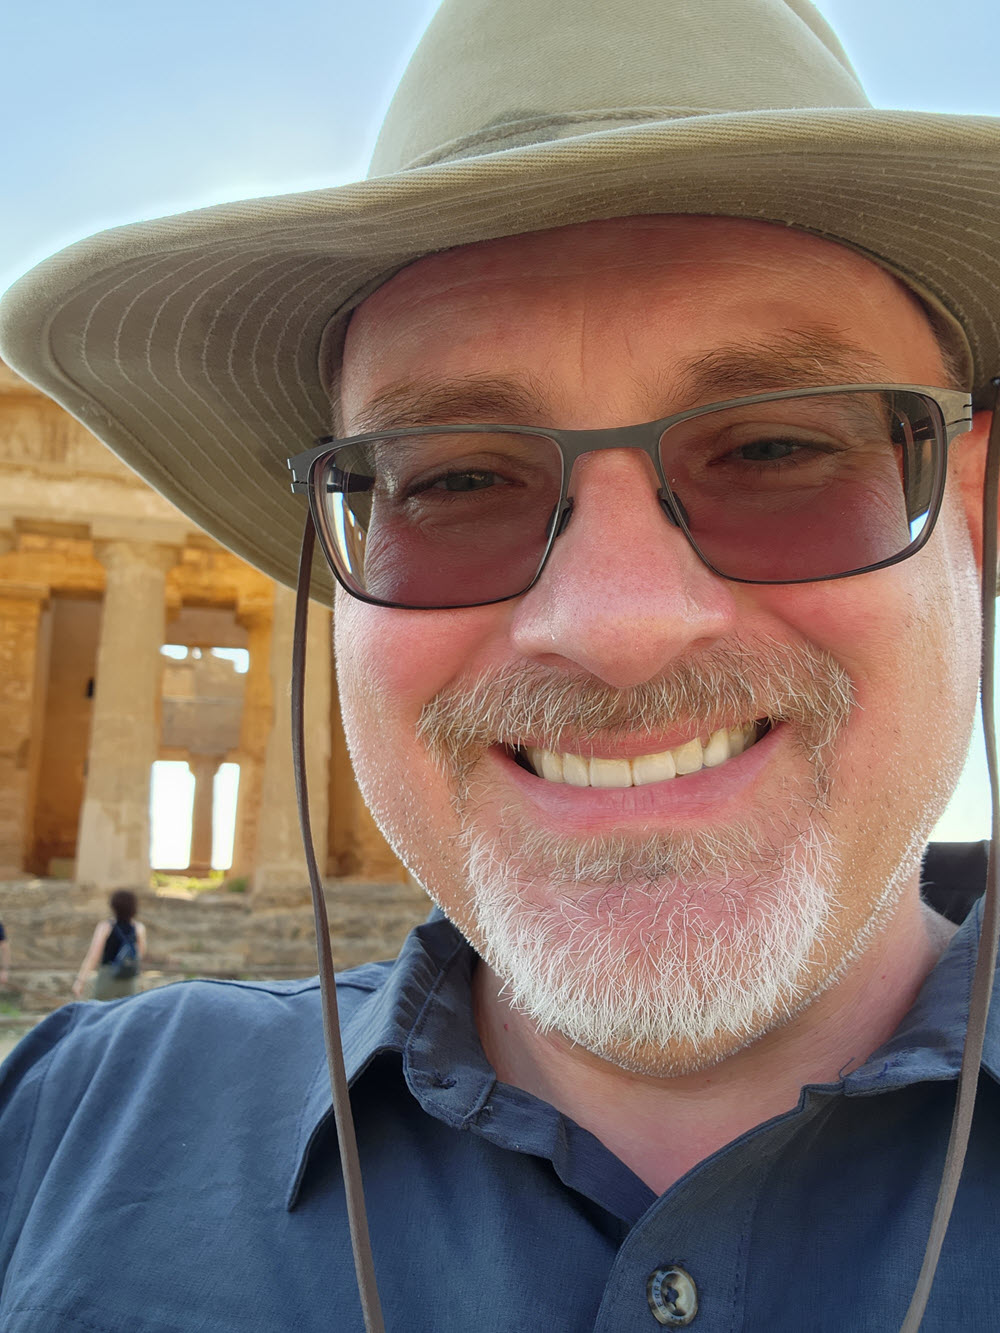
{"points": [[117, 948], [4, 956]]}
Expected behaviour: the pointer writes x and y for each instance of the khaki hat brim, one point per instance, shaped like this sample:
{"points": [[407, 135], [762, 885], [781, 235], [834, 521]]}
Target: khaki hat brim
{"points": [[191, 345]]}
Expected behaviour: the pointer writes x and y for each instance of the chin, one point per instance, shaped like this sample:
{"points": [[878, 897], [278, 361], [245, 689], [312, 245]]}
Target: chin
{"points": [[664, 956]]}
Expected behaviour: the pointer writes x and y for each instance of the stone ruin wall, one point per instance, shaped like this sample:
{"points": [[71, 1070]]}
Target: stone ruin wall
{"points": [[97, 572]]}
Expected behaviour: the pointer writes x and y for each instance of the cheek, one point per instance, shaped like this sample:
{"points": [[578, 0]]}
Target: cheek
{"points": [[909, 638], [389, 664], [904, 633]]}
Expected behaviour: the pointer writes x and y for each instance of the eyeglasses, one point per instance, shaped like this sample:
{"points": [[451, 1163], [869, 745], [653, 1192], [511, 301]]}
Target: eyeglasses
{"points": [[792, 487]]}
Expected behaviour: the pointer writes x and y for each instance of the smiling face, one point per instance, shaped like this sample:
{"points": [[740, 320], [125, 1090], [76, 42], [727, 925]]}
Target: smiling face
{"points": [[668, 809]]}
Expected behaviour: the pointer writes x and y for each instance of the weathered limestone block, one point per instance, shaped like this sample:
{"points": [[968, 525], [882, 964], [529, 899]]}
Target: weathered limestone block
{"points": [[65, 735], [357, 848], [280, 878], [201, 936], [20, 608], [202, 703], [113, 848], [368, 921], [49, 924], [255, 726]]}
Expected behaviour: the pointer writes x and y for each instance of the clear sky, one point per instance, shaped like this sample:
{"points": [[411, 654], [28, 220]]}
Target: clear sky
{"points": [[115, 111]]}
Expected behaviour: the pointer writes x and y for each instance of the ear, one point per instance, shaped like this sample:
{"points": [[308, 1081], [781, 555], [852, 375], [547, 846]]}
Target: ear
{"points": [[966, 470]]}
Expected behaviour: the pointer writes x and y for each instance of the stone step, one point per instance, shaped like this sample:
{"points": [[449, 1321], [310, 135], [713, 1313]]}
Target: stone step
{"points": [[196, 963], [34, 992], [50, 924]]}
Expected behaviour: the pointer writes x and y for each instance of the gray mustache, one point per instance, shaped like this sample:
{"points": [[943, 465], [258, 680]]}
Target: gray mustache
{"points": [[730, 682]]}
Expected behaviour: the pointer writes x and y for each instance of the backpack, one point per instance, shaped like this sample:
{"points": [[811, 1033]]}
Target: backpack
{"points": [[125, 964]]}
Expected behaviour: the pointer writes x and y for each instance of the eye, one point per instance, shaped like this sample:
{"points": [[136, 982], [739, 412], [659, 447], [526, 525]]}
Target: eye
{"points": [[464, 481], [768, 450]]}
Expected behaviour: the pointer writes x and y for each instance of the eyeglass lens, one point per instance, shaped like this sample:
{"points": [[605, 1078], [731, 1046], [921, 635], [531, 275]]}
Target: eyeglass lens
{"points": [[783, 490]]}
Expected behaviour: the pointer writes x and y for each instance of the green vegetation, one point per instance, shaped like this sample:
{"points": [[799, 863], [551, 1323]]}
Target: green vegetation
{"points": [[187, 886]]}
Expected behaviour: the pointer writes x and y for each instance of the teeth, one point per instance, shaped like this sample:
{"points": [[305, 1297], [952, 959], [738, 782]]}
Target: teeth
{"points": [[610, 773], [646, 768], [653, 768], [717, 750], [689, 758]]}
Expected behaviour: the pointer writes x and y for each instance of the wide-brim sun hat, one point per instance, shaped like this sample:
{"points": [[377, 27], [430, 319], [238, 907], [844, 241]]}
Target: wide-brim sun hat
{"points": [[203, 348]]}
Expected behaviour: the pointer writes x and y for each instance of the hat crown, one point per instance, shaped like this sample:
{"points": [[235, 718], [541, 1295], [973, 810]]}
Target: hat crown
{"points": [[495, 74]]}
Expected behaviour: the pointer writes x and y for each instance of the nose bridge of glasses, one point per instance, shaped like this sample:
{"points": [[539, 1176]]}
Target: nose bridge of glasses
{"points": [[645, 438], [576, 443]]}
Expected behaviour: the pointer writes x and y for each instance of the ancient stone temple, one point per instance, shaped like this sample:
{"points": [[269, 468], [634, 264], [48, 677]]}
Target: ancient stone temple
{"points": [[97, 574]]}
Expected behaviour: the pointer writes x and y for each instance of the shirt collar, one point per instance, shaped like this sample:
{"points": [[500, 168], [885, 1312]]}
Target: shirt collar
{"points": [[927, 1045], [419, 1008], [385, 1007]]}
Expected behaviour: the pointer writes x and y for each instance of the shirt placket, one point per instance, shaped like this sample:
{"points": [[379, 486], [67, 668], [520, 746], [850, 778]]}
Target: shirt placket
{"points": [[684, 1263]]}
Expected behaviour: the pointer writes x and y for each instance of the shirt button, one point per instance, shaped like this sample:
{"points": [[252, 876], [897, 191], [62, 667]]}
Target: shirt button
{"points": [[672, 1296]]}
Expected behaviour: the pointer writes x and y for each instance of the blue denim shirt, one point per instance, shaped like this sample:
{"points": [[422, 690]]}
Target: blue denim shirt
{"points": [[169, 1163]]}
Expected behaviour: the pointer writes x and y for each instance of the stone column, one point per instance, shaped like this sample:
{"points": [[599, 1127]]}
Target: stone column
{"points": [[204, 767], [20, 609], [255, 727], [280, 877], [357, 848], [113, 845]]}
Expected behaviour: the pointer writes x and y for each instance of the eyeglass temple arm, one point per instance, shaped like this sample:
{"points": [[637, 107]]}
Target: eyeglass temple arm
{"points": [[982, 980], [337, 481], [343, 482], [364, 1266]]}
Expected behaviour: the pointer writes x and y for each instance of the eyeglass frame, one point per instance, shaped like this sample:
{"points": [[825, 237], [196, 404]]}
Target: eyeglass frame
{"points": [[954, 418]]}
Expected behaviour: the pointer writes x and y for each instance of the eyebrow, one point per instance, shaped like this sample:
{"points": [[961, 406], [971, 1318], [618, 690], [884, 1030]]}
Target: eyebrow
{"points": [[803, 359], [800, 359], [470, 398]]}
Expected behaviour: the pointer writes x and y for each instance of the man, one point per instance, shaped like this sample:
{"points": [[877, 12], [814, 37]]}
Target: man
{"points": [[662, 715]]}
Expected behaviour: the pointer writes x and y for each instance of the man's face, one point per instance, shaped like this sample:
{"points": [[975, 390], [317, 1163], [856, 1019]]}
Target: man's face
{"points": [[662, 925]]}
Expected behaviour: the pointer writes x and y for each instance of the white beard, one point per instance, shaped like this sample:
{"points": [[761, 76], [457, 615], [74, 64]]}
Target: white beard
{"points": [[635, 951], [678, 947]]}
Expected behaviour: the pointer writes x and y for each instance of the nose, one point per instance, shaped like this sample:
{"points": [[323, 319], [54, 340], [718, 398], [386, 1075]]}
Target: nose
{"points": [[623, 594]]}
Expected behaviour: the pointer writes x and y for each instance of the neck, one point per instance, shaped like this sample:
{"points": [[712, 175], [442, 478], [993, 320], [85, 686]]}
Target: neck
{"points": [[660, 1127]]}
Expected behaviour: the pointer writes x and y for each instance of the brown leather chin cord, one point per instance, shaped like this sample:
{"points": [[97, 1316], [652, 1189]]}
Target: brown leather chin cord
{"points": [[982, 981], [364, 1266]]}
